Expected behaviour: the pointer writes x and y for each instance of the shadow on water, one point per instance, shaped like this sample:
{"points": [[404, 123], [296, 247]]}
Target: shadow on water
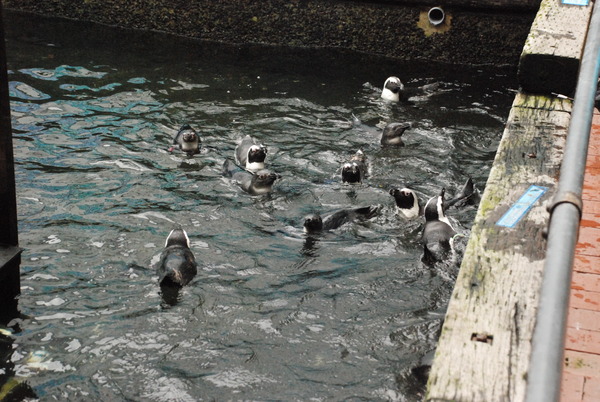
{"points": [[272, 312]]}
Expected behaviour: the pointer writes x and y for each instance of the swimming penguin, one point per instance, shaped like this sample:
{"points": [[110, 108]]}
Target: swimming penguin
{"points": [[260, 182], [438, 233], [177, 265], [392, 89], [188, 140], [392, 134], [407, 203], [354, 171], [315, 223], [250, 155]]}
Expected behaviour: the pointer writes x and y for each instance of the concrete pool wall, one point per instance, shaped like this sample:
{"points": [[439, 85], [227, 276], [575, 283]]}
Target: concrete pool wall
{"points": [[473, 32]]}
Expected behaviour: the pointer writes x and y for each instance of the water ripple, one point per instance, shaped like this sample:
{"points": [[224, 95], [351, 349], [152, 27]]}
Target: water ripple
{"points": [[271, 309]]}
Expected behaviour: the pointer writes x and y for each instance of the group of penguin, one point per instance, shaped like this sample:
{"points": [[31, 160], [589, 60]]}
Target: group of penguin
{"points": [[177, 265]]}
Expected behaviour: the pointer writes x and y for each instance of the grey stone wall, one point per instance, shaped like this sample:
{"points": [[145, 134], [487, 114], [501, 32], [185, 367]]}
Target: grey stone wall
{"points": [[398, 29]]}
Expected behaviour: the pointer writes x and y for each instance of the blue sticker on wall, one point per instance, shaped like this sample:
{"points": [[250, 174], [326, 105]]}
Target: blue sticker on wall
{"points": [[521, 207], [576, 2]]}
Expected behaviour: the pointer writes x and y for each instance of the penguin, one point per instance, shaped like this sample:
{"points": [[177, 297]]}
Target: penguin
{"points": [[392, 88], [315, 223], [187, 140], [250, 155], [354, 171], [260, 182], [438, 233], [177, 265], [392, 134], [407, 203]]}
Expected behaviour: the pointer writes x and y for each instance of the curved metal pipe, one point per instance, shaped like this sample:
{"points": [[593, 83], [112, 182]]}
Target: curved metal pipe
{"points": [[436, 16], [546, 363]]}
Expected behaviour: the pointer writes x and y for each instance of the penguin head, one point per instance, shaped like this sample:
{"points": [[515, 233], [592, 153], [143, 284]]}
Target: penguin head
{"points": [[257, 154], [405, 198], [359, 156], [178, 237], [313, 223], [264, 178], [392, 134], [392, 89], [434, 209], [189, 141], [351, 172]]}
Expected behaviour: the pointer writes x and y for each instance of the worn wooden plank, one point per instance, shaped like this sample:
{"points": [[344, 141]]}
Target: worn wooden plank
{"points": [[483, 351], [552, 52]]}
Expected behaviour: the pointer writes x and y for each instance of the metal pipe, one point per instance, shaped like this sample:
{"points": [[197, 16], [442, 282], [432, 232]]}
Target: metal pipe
{"points": [[546, 364], [436, 16]]}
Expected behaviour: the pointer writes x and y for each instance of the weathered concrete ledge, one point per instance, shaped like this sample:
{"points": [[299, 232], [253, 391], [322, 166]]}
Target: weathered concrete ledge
{"points": [[554, 47], [485, 346], [483, 351], [474, 32]]}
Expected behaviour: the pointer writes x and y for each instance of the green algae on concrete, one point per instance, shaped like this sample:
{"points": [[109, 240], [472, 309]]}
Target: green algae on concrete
{"points": [[496, 291]]}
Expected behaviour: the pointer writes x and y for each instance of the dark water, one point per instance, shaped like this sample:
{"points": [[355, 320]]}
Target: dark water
{"points": [[271, 314]]}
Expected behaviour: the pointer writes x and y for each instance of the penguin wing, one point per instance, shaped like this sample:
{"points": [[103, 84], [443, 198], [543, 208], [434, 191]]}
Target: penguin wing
{"points": [[367, 212], [466, 192], [336, 219]]}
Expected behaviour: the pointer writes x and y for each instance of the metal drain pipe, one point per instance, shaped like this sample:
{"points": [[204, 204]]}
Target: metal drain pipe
{"points": [[546, 364], [436, 16]]}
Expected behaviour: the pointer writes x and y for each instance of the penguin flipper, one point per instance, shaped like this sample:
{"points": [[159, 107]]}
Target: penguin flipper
{"points": [[368, 212], [463, 195]]}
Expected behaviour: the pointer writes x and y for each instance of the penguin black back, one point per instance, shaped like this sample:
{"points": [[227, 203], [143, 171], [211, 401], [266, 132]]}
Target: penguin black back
{"points": [[177, 264], [438, 232]]}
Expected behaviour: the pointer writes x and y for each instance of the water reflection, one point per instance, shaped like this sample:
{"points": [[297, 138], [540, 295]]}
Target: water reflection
{"points": [[348, 312]]}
